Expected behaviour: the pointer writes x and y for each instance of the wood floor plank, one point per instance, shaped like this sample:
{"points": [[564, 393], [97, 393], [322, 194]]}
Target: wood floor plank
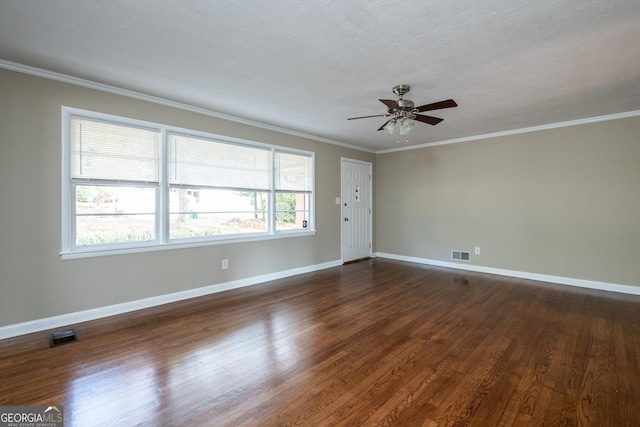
{"points": [[627, 366], [373, 343]]}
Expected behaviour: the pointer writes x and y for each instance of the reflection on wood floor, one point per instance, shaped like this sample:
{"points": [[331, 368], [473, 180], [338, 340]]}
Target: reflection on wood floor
{"points": [[377, 342]]}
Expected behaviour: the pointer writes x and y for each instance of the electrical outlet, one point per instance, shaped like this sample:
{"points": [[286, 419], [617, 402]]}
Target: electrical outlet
{"points": [[225, 264], [477, 250]]}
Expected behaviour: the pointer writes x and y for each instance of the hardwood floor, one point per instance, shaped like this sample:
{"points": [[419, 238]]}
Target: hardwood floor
{"points": [[378, 342]]}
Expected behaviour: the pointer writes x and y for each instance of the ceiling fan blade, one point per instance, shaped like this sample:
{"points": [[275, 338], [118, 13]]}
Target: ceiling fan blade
{"points": [[437, 105], [392, 104], [385, 123], [366, 117], [428, 119]]}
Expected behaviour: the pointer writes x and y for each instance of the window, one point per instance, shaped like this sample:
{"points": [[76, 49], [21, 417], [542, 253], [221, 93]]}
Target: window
{"points": [[114, 171], [129, 185], [293, 190], [232, 183]]}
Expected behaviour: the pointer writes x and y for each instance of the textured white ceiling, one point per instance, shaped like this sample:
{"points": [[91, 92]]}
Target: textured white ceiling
{"points": [[308, 65]]}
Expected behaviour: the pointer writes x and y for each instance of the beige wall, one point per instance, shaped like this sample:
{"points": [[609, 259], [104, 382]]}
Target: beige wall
{"points": [[35, 283], [562, 202]]}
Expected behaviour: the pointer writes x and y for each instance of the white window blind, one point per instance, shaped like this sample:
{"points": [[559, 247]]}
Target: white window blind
{"points": [[292, 172], [114, 152], [204, 162]]}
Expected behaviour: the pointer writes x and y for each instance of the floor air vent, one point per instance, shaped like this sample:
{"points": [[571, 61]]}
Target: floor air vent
{"points": [[63, 337], [460, 256]]}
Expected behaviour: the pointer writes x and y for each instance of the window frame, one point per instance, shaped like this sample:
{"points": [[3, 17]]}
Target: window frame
{"points": [[162, 241]]}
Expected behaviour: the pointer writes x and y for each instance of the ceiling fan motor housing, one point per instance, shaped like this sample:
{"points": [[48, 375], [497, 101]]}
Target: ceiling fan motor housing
{"points": [[405, 104]]}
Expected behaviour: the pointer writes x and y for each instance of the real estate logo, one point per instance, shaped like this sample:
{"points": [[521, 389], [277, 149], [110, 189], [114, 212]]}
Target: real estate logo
{"points": [[31, 416]]}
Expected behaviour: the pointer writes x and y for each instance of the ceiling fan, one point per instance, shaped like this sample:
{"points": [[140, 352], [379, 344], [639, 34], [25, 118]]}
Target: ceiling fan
{"points": [[403, 112]]}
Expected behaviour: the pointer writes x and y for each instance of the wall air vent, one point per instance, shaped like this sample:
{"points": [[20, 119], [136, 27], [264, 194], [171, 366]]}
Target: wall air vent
{"points": [[460, 255], [63, 337]]}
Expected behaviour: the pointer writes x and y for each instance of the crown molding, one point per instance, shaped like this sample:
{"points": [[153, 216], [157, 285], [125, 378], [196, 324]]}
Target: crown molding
{"points": [[64, 78], [76, 81], [517, 131]]}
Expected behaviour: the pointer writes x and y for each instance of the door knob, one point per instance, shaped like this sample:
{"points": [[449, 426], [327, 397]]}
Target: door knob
{"points": [[346, 219]]}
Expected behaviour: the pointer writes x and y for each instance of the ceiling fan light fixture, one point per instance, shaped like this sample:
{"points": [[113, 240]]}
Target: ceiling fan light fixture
{"points": [[390, 126], [406, 126]]}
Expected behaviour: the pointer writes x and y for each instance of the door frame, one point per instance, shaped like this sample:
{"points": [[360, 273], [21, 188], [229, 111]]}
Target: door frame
{"points": [[344, 160]]}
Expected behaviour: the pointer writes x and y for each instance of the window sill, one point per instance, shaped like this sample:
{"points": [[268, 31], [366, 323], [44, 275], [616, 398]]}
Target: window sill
{"points": [[92, 253]]}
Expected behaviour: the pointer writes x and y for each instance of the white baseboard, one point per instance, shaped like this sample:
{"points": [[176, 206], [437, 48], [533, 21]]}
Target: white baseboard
{"points": [[112, 310], [126, 307], [590, 284]]}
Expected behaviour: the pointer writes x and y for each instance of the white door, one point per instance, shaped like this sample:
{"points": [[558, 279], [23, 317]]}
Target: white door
{"points": [[356, 210]]}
